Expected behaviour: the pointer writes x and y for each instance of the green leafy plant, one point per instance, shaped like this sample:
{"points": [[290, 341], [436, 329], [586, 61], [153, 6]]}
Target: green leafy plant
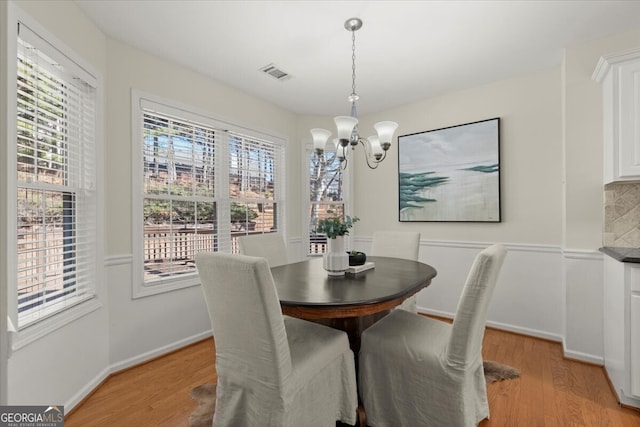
{"points": [[336, 225]]}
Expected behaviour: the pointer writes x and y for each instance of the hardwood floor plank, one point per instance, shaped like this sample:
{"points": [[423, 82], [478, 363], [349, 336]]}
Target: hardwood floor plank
{"points": [[551, 392]]}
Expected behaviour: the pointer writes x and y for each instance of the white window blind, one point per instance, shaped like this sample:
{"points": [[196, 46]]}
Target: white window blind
{"points": [[56, 182]]}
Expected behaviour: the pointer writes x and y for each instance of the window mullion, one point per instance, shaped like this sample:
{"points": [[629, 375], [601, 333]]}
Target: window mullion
{"points": [[222, 191]]}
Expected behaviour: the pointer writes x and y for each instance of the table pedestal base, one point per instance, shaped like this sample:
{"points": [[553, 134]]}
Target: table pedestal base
{"points": [[353, 326]]}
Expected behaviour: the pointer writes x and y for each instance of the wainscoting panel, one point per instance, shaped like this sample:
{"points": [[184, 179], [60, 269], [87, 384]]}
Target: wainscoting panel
{"points": [[143, 328], [527, 299], [543, 291], [584, 327]]}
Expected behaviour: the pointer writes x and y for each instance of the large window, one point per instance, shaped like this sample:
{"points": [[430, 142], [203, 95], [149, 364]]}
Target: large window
{"points": [[56, 186], [326, 196], [201, 185]]}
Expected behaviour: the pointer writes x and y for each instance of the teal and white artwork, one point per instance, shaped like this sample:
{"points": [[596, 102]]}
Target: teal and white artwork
{"points": [[451, 174]]}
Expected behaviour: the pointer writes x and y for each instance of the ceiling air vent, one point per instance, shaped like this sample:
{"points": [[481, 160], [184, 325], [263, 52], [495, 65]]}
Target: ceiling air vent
{"points": [[275, 72]]}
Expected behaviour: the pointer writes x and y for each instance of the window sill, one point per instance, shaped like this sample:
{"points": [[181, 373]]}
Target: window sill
{"points": [[142, 290]]}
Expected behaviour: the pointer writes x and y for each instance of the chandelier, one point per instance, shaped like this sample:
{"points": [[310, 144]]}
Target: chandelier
{"points": [[375, 146]]}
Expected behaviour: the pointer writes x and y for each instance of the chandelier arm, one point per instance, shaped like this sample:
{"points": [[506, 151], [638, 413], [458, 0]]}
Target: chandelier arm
{"points": [[367, 156], [343, 159], [384, 156]]}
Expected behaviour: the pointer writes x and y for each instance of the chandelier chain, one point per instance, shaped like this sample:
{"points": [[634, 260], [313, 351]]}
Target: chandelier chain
{"points": [[353, 63]]}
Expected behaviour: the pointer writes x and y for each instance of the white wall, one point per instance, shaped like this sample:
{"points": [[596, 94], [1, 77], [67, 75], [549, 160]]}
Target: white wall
{"points": [[530, 296], [147, 326], [531, 168], [68, 363], [552, 197], [130, 68]]}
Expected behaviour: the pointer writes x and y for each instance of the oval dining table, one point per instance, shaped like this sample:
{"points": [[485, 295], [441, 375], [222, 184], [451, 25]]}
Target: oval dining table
{"points": [[351, 302]]}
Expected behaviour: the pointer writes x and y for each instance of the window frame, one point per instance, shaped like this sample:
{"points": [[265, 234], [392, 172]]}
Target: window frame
{"points": [[141, 100], [60, 51]]}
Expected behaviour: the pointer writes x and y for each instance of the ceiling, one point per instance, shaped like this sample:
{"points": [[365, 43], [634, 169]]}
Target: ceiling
{"points": [[405, 51]]}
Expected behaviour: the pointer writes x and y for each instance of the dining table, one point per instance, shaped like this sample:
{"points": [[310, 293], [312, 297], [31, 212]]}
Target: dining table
{"points": [[351, 302]]}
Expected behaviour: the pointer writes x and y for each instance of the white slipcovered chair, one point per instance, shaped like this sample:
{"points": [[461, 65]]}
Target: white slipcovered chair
{"points": [[273, 370], [398, 244], [269, 246], [419, 371]]}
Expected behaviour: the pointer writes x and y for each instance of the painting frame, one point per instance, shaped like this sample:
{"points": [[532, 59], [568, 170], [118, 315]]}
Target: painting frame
{"points": [[451, 174]]}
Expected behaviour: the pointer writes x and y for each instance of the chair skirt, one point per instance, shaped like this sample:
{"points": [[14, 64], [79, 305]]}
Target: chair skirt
{"points": [[406, 380], [320, 390]]}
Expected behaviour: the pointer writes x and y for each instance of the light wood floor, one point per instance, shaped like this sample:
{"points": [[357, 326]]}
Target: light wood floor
{"points": [[552, 391]]}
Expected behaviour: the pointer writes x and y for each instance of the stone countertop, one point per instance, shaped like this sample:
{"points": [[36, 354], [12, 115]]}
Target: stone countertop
{"points": [[622, 254]]}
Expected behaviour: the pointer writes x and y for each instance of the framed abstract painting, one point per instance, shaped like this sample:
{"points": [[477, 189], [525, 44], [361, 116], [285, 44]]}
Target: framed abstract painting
{"points": [[451, 174]]}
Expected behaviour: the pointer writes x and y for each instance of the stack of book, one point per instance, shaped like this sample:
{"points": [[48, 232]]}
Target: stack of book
{"points": [[354, 269]]}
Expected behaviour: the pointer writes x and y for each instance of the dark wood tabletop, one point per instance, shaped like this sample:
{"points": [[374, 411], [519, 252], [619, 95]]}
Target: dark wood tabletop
{"points": [[352, 302], [306, 290]]}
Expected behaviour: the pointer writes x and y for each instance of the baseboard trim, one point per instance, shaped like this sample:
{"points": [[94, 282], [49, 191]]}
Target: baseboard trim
{"points": [[525, 331], [85, 392], [132, 362], [501, 326], [160, 351], [567, 354]]}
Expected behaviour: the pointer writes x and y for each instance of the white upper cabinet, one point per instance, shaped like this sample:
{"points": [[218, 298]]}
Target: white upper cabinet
{"points": [[620, 77]]}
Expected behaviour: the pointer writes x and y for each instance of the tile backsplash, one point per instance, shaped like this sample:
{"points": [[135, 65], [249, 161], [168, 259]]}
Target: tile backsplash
{"points": [[622, 215]]}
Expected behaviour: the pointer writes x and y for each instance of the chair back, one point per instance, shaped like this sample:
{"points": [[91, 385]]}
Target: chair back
{"points": [[269, 246], [243, 305], [465, 344], [396, 244]]}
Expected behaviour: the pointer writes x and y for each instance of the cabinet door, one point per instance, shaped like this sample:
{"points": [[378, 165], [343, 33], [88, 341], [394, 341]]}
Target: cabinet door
{"points": [[634, 344], [629, 120]]}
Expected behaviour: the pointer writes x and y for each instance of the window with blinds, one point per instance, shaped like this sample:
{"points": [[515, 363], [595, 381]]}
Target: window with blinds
{"points": [[179, 208], [252, 186], [326, 195], [202, 187], [55, 182]]}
